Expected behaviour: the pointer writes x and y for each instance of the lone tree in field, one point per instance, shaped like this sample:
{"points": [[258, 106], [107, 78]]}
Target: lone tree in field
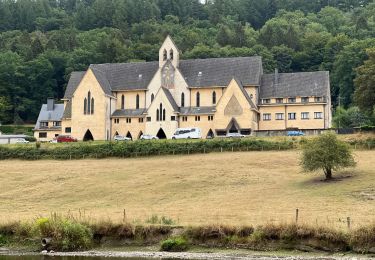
{"points": [[326, 153]]}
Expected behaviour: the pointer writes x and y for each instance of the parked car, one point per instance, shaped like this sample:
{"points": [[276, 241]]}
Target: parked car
{"points": [[65, 139], [22, 141], [187, 133], [53, 141], [148, 137], [295, 133], [121, 138], [234, 135]]}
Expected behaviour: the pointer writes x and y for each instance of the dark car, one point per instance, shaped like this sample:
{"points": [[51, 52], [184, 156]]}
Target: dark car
{"points": [[65, 139]]}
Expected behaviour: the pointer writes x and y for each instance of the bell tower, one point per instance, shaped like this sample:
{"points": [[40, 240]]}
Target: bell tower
{"points": [[169, 52]]}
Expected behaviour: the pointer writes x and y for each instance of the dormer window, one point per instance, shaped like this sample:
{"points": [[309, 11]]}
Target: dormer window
{"points": [[165, 55], [171, 54], [291, 100], [266, 101], [279, 100], [200, 73], [318, 99]]}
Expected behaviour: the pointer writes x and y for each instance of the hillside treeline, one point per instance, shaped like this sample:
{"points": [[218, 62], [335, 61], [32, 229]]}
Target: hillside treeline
{"points": [[43, 41]]}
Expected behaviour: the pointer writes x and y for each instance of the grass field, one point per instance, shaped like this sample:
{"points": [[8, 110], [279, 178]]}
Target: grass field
{"points": [[229, 188]]}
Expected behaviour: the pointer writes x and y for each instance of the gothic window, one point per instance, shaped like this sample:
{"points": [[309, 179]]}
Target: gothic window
{"points": [[198, 99], [214, 97], [164, 114], [85, 106], [171, 54], [137, 102], [88, 102], [122, 102], [182, 99], [92, 106], [161, 112], [152, 97], [157, 114], [165, 55]]}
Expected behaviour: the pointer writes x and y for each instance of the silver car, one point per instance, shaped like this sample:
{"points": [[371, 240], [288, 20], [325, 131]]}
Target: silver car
{"points": [[234, 135], [121, 138], [148, 137]]}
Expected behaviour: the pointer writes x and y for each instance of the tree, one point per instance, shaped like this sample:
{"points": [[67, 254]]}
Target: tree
{"points": [[326, 153], [364, 94], [352, 117]]}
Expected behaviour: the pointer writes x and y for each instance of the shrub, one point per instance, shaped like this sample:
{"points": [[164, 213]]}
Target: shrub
{"points": [[161, 221], [66, 234], [177, 244], [30, 139], [363, 239]]}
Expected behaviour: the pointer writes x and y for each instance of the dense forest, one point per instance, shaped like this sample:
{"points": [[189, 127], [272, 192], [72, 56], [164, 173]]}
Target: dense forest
{"points": [[43, 41]]}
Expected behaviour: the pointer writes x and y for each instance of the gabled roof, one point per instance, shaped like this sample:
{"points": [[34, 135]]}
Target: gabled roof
{"points": [[244, 92], [220, 71], [128, 112], [170, 99], [197, 110], [197, 73], [52, 115], [74, 80], [295, 84]]}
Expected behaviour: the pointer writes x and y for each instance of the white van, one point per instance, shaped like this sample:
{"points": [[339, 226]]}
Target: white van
{"points": [[187, 133]]}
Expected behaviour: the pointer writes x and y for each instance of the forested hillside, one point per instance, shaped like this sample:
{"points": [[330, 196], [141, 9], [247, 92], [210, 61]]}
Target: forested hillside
{"points": [[43, 41]]}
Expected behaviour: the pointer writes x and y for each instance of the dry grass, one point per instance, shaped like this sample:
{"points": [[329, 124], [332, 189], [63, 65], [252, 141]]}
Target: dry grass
{"points": [[229, 188]]}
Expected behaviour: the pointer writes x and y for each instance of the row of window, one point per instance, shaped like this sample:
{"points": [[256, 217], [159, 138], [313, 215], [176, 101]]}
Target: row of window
{"points": [[173, 118], [46, 124], [292, 116], [291, 100]]}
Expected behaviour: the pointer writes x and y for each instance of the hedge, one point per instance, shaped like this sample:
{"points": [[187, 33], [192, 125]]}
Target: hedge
{"points": [[137, 148]]}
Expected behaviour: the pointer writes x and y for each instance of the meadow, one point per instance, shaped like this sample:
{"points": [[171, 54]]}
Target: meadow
{"points": [[239, 188]]}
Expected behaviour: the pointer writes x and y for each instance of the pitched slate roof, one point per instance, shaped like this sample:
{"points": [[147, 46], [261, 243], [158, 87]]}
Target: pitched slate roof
{"points": [[170, 98], [128, 112], [68, 110], [220, 71], [74, 80], [295, 84], [197, 110], [197, 73], [244, 92], [52, 115]]}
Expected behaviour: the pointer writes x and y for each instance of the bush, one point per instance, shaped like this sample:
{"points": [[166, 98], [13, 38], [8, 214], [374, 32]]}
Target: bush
{"points": [[31, 139], [362, 240], [66, 234], [162, 220], [177, 244]]}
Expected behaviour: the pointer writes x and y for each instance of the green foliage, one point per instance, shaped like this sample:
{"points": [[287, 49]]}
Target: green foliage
{"points": [[326, 153], [42, 42], [365, 84], [136, 148], [176, 244], [66, 234], [347, 118], [163, 220]]}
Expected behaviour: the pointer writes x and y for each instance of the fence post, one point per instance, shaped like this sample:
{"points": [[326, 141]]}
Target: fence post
{"points": [[348, 222], [297, 216], [221, 149], [232, 149], [204, 149]]}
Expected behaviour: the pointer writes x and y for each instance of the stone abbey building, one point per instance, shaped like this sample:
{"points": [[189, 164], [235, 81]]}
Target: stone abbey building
{"points": [[217, 95]]}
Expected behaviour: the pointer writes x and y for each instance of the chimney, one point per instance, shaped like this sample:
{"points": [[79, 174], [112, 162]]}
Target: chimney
{"points": [[276, 81], [50, 104]]}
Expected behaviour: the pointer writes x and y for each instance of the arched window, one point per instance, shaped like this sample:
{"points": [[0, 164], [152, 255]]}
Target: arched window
{"points": [[198, 99], [122, 102], [161, 112], [88, 102], [171, 54], [137, 102], [182, 99], [85, 107], [152, 97], [165, 55], [164, 114], [214, 97], [157, 114], [92, 105]]}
